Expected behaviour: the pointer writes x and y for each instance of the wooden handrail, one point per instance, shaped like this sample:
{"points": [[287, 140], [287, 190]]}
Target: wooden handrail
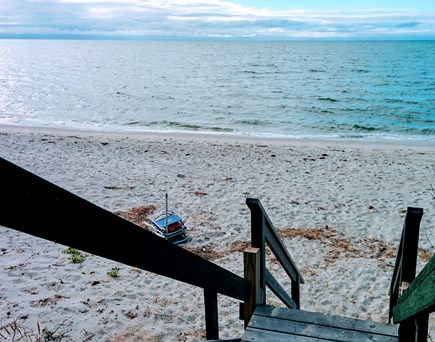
{"points": [[263, 232], [406, 259], [411, 307], [50, 212], [278, 249], [419, 298], [278, 290]]}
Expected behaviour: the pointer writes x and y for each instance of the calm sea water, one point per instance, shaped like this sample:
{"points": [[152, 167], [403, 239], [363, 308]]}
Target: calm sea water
{"points": [[333, 90]]}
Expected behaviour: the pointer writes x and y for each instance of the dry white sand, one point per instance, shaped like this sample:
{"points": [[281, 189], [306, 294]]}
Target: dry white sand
{"points": [[339, 206]]}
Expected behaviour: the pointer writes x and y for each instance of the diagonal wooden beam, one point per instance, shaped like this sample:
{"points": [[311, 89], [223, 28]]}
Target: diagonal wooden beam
{"points": [[35, 206]]}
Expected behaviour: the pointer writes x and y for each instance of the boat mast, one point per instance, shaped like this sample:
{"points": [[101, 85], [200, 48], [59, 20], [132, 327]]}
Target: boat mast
{"points": [[166, 215]]}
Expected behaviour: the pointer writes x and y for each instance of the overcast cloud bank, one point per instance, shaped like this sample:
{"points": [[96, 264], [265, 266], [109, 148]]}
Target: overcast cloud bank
{"points": [[204, 20]]}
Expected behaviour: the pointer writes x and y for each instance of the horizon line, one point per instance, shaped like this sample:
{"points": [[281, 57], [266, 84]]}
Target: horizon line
{"points": [[18, 36]]}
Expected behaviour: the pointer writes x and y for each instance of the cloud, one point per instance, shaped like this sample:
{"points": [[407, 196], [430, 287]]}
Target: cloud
{"points": [[410, 24], [202, 18]]}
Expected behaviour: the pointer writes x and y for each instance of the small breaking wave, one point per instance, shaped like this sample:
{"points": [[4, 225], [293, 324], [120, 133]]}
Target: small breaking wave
{"points": [[188, 126], [253, 122], [367, 128], [328, 99]]}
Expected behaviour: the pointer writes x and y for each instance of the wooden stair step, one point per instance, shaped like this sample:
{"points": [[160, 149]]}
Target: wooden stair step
{"points": [[283, 324]]}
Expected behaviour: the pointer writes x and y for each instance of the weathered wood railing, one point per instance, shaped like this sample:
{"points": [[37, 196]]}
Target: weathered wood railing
{"points": [[262, 233], [415, 304], [35, 206], [412, 299], [50, 212], [406, 259]]}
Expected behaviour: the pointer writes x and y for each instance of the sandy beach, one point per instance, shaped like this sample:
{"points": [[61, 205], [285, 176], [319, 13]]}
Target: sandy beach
{"points": [[339, 207]]}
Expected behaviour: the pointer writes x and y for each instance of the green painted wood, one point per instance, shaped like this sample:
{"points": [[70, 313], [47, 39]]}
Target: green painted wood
{"points": [[419, 297], [406, 259], [327, 320]]}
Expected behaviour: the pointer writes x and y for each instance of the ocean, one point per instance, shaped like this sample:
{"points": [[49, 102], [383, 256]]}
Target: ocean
{"points": [[346, 90]]}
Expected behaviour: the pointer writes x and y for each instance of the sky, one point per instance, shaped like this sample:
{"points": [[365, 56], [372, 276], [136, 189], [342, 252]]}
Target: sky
{"points": [[218, 19]]}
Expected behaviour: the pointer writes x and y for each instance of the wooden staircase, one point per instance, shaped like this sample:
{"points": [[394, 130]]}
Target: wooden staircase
{"points": [[411, 298], [111, 237], [268, 323]]}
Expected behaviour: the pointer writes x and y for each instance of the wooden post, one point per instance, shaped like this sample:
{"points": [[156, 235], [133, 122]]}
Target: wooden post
{"points": [[404, 274], [415, 304], [422, 325], [296, 291], [211, 315], [407, 331], [258, 240], [414, 329], [410, 235], [166, 214], [406, 260], [251, 262]]}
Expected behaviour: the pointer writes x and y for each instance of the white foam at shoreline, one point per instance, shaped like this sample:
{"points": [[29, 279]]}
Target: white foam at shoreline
{"points": [[223, 137]]}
